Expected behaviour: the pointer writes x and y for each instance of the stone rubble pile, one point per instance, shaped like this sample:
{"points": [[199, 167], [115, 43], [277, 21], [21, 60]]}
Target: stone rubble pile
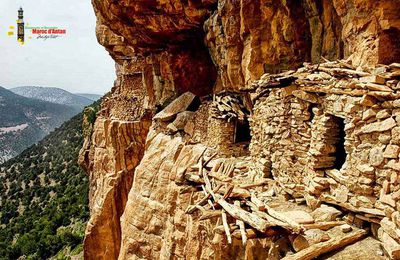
{"points": [[242, 202], [178, 114], [338, 77], [228, 107]]}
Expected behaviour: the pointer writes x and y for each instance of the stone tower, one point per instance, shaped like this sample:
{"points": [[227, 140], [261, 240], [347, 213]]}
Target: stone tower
{"points": [[21, 28]]}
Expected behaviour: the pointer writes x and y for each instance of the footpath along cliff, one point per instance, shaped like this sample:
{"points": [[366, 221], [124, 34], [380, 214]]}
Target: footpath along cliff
{"points": [[246, 130]]}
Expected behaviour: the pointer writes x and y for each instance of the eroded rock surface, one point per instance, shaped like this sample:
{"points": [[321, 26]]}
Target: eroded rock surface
{"points": [[140, 169]]}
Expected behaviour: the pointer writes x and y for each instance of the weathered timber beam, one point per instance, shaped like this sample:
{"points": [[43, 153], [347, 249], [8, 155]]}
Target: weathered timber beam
{"points": [[240, 223], [208, 214], [336, 243], [201, 202], [247, 217], [226, 226], [324, 225]]}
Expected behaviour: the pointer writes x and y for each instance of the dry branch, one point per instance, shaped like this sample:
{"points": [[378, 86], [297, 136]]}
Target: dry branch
{"points": [[258, 203], [194, 178], [220, 177], [220, 229], [235, 193], [206, 180], [209, 159], [250, 233], [228, 191]]}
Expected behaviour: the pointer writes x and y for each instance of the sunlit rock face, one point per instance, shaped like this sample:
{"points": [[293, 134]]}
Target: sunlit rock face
{"points": [[164, 48], [168, 35], [248, 38], [155, 24], [368, 27]]}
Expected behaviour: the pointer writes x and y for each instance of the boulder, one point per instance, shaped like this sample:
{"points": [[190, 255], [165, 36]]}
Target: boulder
{"points": [[373, 79], [341, 194], [368, 114], [383, 114], [387, 199], [365, 169], [368, 101], [310, 97], [315, 236], [396, 135], [180, 121], [300, 243], [325, 213], [182, 103], [390, 228], [393, 164]]}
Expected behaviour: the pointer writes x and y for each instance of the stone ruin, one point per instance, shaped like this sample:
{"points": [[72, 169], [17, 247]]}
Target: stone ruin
{"points": [[332, 136], [315, 148], [326, 135]]}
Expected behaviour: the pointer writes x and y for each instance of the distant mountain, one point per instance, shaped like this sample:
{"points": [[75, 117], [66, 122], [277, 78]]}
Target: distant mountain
{"points": [[54, 95], [44, 197], [24, 121], [93, 97]]}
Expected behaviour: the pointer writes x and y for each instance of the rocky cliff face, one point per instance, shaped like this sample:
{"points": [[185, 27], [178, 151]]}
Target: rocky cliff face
{"points": [[138, 158]]}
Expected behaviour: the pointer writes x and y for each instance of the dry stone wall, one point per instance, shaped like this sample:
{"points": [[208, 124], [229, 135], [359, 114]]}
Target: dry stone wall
{"points": [[281, 134], [333, 138]]}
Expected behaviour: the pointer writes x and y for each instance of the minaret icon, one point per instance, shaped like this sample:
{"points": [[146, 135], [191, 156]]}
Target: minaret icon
{"points": [[21, 26]]}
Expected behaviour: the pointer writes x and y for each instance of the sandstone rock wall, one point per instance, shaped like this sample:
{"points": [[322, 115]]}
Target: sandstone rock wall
{"points": [[116, 149], [277, 35], [367, 31], [244, 46], [155, 225], [163, 49]]}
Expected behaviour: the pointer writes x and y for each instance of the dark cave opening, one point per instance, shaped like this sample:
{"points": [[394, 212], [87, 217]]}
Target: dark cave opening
{"points": [[242, 132], [389, 46], [340, 152]]}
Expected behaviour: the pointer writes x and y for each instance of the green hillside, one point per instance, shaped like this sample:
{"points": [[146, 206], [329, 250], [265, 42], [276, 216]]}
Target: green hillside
{"points": [[44, 197], [24, 121], [53, 95], [16, 109]]}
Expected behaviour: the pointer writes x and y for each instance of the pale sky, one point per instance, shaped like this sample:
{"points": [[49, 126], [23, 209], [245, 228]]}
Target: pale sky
{"points": [[75, 62]]}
